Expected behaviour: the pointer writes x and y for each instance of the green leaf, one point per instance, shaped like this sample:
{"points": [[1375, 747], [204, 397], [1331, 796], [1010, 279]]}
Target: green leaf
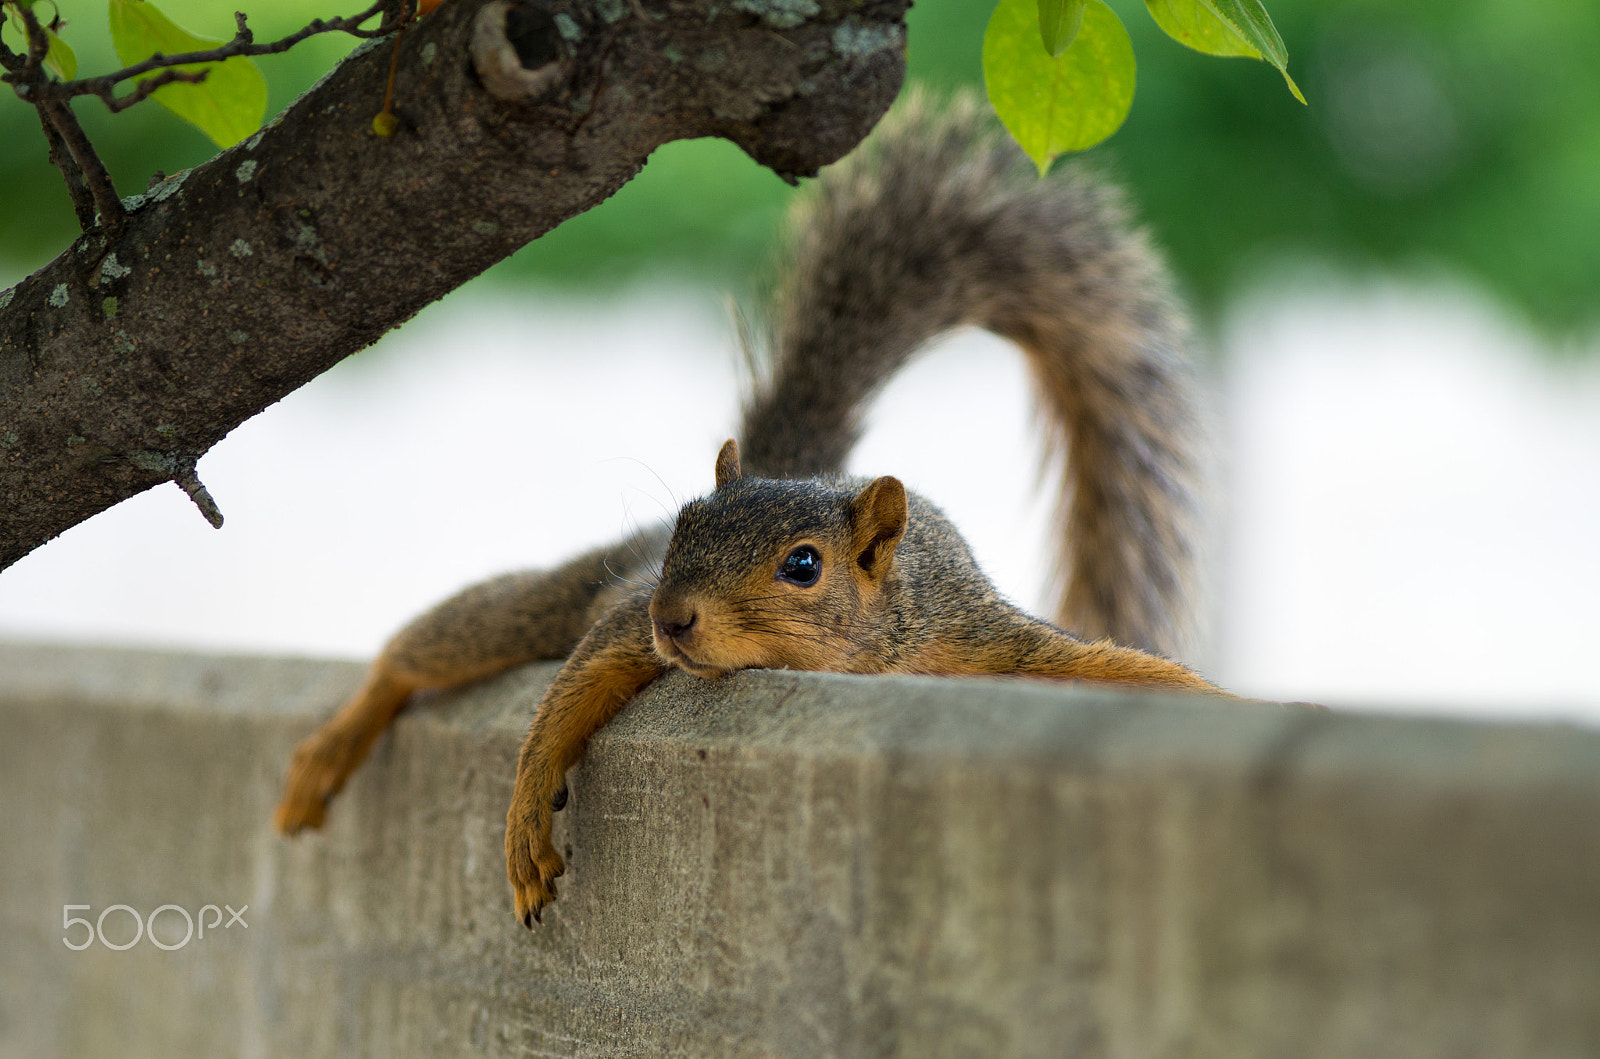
{"points": [[1059, 21], [1056, 104], [1226, 28], [60, 60], [1250, 20], [227, 106], [1192, 24]]}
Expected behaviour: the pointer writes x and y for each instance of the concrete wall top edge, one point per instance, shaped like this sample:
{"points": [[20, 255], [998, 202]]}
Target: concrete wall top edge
{"points": [[831, 716]]}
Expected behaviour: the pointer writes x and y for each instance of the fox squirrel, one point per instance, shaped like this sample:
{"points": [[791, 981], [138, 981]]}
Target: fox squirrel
{"points": [[932, 224]]}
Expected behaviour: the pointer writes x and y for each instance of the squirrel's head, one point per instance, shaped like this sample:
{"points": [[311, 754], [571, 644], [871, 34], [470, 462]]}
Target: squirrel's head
{"points": [[776, 574]]}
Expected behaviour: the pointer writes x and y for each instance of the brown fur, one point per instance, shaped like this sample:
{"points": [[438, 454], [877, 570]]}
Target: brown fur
{"points": [[934, 224]]}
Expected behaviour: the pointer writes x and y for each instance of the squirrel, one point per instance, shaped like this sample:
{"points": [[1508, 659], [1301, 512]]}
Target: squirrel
{"points": [[933, 223]]}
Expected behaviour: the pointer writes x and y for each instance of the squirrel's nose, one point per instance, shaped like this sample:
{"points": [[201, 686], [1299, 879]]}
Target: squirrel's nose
{"points": [[676, 627]]}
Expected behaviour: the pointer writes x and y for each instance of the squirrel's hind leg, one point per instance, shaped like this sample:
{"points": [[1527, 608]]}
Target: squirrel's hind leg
{"points": [[482, 630], [324, 760], [1029, 647], [1103, 662]]}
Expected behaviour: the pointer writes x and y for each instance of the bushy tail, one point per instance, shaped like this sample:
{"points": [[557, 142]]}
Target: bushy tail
{"points": [[937, 222]]}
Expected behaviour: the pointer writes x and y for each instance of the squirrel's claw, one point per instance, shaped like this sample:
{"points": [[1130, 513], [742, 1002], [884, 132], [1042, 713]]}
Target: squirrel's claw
{"points": [[530, 899], [532, 867]]}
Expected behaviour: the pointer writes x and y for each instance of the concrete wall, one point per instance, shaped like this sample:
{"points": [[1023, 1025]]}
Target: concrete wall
{"points": [[794, 865]]}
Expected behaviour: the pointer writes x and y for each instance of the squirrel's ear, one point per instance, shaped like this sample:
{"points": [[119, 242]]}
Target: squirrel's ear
{"points": [[877, 522], [728, 463]]}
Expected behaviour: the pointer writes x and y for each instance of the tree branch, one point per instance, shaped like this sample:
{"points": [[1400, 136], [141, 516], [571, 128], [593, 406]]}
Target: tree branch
{"points": [[227, 287]]}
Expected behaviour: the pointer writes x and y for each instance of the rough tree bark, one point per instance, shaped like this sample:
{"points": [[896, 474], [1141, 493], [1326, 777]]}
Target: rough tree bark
{"points": [[228, 286]]}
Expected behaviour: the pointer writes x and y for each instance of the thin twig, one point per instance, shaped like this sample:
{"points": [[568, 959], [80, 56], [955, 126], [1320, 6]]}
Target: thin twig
{"points": [[88, 183], [106, 200], [385, 119], [10, 59], [150, 84], [77, 186], [38, 47], [242, 44], [70, 148], [189, 481]]}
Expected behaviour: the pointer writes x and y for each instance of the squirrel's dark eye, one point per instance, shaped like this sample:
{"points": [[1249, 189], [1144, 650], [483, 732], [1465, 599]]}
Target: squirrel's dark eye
{"points": [[802, 566]]}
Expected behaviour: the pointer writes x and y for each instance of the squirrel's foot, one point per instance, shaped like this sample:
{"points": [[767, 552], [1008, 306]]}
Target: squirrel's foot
{"points": [[532, 865], [322, 763]]}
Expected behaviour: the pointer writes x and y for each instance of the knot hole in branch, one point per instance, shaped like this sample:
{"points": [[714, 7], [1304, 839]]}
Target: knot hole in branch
{"points": [[517, 49]]}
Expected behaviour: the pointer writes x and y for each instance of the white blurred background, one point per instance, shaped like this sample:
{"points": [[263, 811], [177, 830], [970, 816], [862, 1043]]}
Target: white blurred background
{"points": [[1409, 496]]}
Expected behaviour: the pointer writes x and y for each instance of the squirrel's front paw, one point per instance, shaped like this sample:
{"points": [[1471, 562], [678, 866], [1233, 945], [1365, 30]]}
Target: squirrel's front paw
{"points": [[532, 865], [322, 762]]}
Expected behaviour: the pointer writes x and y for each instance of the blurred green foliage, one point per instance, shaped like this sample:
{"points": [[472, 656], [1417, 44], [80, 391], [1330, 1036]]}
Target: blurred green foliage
{"points": [[1443, 135]]}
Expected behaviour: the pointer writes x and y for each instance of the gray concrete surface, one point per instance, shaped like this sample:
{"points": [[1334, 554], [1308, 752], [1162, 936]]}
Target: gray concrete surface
{"points": [[793, 865]]}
